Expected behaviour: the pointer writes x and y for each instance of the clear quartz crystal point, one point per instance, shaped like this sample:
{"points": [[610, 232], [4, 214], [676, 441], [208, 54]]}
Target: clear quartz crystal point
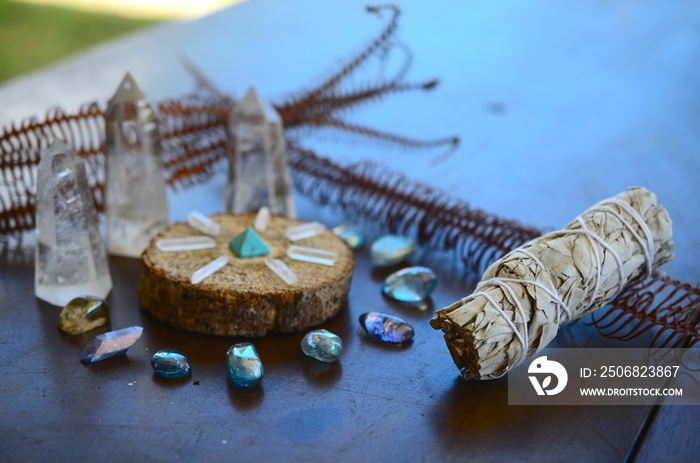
{"points": [[305, 230], [313, 255], [262, 219], [201, 222], [136, 200], [258, 172], [70, 256], [209, 269], [281, 270], [189, 243]]}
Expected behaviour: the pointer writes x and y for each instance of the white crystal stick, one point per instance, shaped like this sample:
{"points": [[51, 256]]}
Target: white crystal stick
{"points": [[136, 205], [305, 230], [258, 173], [262, 219], [313, 255], [209, 269], [185, 244], [281, 270], [202, 223], [70, 256]]}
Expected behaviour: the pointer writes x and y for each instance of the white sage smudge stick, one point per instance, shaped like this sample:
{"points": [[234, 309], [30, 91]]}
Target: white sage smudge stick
{"points": [[523, 297]]}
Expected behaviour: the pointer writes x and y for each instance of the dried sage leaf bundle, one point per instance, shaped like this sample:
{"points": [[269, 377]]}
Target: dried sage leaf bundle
{"points": [[523, 297]]}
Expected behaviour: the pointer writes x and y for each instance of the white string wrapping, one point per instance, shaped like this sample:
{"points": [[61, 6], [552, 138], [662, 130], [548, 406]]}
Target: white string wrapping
{"points": [[621, 228]]}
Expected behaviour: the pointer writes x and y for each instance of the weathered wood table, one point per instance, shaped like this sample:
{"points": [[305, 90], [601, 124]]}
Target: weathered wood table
{"points": [[558, 106]]}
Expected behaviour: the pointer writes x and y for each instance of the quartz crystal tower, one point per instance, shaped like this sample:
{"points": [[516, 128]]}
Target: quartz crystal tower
{"points": [[258, 173], [70, 255], [136, 200]]}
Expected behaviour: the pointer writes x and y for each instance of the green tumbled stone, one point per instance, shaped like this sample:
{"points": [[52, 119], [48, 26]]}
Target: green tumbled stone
{"points": [[248, 244], [83, 314]]}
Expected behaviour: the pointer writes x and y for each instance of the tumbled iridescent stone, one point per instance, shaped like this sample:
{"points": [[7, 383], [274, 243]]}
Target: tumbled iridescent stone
{"points": [[83, 314], [111, 344], [170, 363], [322, 345], [352, 235], [244, 365], [412, 284], [386, 328], [391, 249]]}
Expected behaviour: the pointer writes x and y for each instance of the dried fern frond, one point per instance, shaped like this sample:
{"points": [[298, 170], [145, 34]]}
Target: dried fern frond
{"points": [[669, 307], [20, 151], [370, 192]]}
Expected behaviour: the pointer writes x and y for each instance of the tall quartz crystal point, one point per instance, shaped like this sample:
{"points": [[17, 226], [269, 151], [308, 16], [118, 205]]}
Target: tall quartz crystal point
{"points": [[258, 174], [136, 200], [70, 256]]}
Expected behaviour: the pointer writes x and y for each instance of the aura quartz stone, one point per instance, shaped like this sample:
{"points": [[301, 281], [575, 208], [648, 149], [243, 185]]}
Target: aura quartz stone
{"points": [[170, 363], [70, 256], [111, 344], [391, 250], [386, 328], [136, 205], [83, 314], [352, 235], [248, 244], [208, 270], [411, 285], [202, 223], [322, 345], [244, 365], [258, 173]]}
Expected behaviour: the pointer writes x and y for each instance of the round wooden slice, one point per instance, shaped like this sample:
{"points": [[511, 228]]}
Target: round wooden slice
{"points": [[244, 298]]}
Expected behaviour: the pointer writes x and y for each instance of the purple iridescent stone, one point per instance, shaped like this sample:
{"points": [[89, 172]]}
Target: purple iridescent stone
{"points": [[386, 328]]}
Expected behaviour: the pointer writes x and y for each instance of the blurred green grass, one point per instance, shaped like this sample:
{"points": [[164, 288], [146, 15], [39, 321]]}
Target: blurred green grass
{"points": [[32, 36]]}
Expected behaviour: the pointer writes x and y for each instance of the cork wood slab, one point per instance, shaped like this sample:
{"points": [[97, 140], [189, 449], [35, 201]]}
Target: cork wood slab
{"points": [[244, 298]]}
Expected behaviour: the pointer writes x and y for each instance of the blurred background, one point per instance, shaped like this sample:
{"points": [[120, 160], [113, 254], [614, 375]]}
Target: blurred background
{"points": [[35, 33]]}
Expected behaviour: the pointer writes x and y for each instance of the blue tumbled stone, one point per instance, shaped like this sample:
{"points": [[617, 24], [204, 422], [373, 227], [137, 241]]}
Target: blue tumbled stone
{"points": [[322, 345], [391, 250], [352, 235], [386, 328], [170, 363], [244, 365], [412, 284]]}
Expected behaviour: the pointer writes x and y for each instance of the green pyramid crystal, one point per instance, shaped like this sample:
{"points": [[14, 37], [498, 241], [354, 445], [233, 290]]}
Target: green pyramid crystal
{"points": [[248, 244]]}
